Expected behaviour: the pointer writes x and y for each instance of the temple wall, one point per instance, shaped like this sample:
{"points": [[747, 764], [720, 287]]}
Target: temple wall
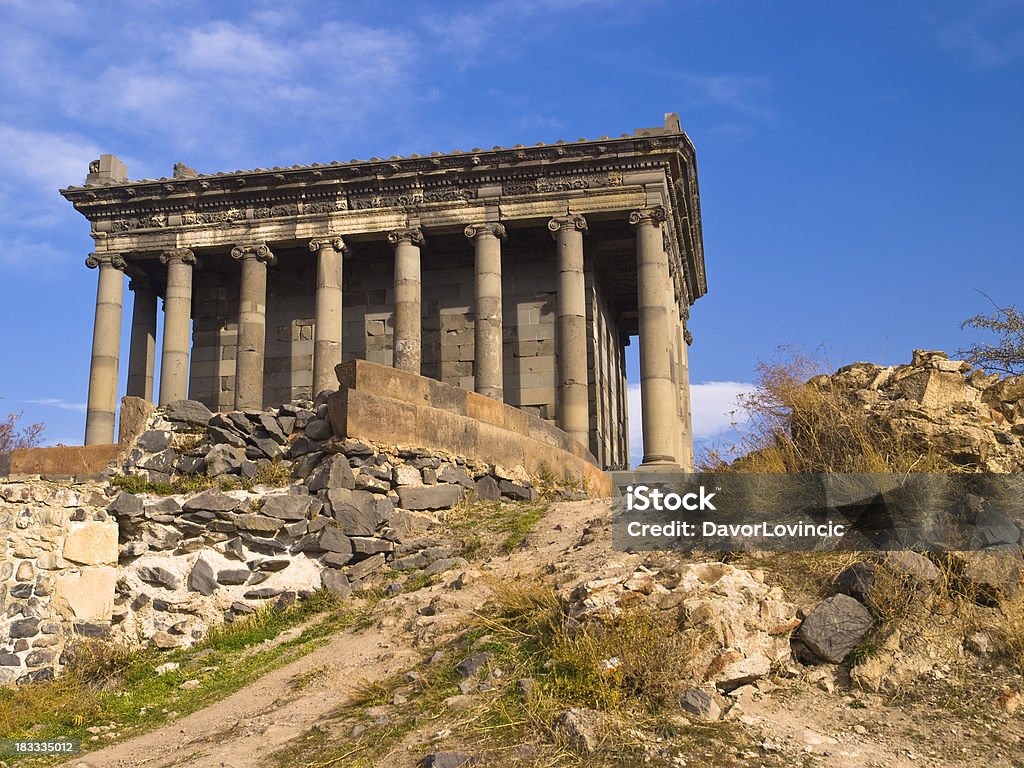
{"points": [[528, 308]]}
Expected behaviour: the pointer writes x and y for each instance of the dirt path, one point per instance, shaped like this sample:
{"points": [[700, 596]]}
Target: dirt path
{"points": [[794, 723], [241, 730]]}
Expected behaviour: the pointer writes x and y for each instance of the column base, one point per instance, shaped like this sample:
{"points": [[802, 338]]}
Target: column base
{"points": [[658, 464]]}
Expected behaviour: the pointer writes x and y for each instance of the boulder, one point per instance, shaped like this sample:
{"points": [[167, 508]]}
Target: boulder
{"points": [[155, 574], [126, 504], [354, 511], [835, 627], [517, 491], [457, 475], [273, 428], [188, 412], [487, 489], [233, 576], [370, 545], [856, 581], [224, 460], [211, 500], [289, 506], [332, 539], [259, 523], [162, 462], [336, 582], [364, 568], [318, 430], [429, 496], [154, 440], [222, 435], [406, 474], [913, 567], [334, 472], [201, 578]]}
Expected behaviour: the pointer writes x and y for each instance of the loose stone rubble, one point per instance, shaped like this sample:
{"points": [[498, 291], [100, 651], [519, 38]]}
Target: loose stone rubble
{"points": [[94, 560], [747, 622]]}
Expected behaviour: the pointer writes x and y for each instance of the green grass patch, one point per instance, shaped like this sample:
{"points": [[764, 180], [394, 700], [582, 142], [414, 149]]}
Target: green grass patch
{"points": [[182, 484], [489, 528], [108, 685]]}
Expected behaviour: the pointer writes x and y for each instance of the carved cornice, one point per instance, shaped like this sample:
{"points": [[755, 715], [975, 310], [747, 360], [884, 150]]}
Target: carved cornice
{"points": [[328, 241], [378, 168], [655, 215], [259, 251], [410, 235], [105, 261], [179, 255], [570, 222], [487, 228]]}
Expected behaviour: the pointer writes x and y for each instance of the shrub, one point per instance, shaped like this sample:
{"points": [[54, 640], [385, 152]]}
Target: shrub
{"points": [[12, 437]]}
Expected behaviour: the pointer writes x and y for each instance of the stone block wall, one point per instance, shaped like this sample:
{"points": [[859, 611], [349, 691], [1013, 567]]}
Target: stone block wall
{"points": [[58, 558], [529, 315]]}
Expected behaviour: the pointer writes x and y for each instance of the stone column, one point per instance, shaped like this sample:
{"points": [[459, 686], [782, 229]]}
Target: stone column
{"points": [[408, 309], [142, 350], [252, 325], [573, 384], [487, 347], [330, 253], [686, 456], [106, 348], [177, 325], [657, 393]]}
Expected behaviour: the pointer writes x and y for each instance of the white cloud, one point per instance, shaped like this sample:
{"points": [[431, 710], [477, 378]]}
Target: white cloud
{"points": [[43, 160], [55, 402], [986, 35], [714, 405], [741, 93]]}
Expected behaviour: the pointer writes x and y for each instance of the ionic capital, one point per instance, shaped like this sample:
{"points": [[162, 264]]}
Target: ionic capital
{"points": [[655, 215], [105, 260], [259, 252], [573, 221], [178, 255], [327, 242], [410, 235], [487, 229]]}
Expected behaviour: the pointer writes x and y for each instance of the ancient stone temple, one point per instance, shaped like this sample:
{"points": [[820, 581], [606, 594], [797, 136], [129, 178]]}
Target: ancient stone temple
{"points": [[520, 273]]}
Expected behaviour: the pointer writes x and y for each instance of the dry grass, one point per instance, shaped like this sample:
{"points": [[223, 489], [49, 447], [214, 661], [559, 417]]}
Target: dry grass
{"points": [[798, 423]]}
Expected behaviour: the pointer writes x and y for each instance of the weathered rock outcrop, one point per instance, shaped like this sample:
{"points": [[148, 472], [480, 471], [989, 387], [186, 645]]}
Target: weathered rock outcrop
{"points": [[970, 418]]}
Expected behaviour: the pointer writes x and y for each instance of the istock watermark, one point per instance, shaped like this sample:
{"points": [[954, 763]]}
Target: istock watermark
{"points": [[735, 511]]}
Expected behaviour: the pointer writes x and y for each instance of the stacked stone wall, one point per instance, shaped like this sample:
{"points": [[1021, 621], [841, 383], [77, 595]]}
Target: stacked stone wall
{"points": [[290, 508], [58, 557]]}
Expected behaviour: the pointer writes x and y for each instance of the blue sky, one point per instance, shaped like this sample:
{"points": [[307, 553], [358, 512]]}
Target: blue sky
{"points": [[860, 163]]}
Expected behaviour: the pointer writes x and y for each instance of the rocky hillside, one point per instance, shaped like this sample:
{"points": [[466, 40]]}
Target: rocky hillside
{"points": [[972, 419]]}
